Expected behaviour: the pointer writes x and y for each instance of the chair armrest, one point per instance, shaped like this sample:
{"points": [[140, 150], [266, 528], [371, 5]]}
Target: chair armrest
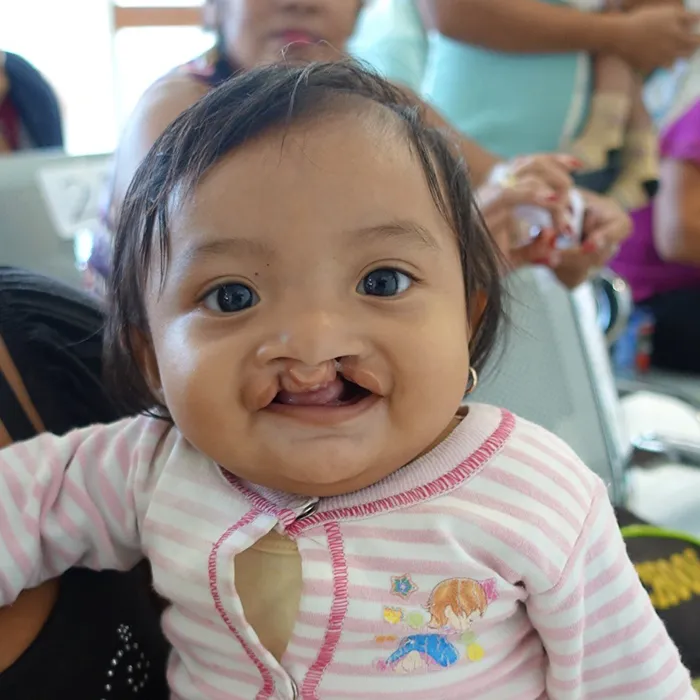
{"points": [[633, 385], [679, 450]]}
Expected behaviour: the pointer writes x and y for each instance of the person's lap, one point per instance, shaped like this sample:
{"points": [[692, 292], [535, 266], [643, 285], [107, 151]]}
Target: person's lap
{"points": [[74, 637]]}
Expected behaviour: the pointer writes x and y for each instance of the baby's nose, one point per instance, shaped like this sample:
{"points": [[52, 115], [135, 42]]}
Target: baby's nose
{"points": [[299, 377]]}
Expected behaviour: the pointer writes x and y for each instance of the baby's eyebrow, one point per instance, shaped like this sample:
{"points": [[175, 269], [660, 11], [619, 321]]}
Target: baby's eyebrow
{"points": [[409, 231], [198, 251]]}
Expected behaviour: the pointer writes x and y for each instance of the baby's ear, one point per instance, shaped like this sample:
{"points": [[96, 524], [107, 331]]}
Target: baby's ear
{"points": [[146, 360]]}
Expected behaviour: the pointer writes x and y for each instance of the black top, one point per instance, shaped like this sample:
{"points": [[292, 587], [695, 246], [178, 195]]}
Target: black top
{"points": [[102, 640]]}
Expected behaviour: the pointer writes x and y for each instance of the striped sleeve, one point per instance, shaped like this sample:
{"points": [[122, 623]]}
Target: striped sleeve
{"points": [[601, 634], [69, 501]]}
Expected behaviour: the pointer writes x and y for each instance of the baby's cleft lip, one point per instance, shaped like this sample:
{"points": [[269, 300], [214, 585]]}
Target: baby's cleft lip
{"points": [[330, 384], [299, 378], [364, 378]]}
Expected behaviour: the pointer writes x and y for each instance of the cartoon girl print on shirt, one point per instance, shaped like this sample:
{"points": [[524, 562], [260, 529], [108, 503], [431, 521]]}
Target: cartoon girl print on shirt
{"points": [[453, 606]]}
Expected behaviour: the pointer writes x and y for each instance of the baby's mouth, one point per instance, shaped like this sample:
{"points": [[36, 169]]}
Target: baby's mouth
{"points": [[338, 392]]}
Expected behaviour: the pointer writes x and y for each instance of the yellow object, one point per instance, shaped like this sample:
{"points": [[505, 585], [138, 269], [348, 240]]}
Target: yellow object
{"points": [[475, 652], [393, 615]]}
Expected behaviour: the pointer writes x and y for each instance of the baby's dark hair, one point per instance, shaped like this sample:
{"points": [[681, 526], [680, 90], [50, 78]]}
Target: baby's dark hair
{"points": [[244, 108]]}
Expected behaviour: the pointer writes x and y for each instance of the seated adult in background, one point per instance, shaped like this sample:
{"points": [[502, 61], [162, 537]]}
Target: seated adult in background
{"points": [[254, 32], [29, 112], [93, 634], [661, 260]]}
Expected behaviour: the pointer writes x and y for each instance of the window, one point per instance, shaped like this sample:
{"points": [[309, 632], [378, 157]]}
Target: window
{"points": [[151, 38], [100, 56], [70, 43]]}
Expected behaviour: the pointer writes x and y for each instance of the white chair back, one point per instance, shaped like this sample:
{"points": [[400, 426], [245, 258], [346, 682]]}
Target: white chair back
{"points": [[554, 370], [42, 194]]}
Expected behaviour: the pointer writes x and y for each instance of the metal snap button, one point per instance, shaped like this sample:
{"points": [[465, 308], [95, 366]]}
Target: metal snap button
{"points": [[308, 510]]}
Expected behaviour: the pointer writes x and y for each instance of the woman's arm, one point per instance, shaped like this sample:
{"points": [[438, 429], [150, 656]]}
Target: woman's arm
{"points": [[160, 105], [677, 212], [552, 170], [480, 161], [647, 38], [521, 26]]}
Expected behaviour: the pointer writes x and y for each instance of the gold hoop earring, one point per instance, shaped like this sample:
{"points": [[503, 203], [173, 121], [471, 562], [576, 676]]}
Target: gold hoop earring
{"points": [[473, 381]]}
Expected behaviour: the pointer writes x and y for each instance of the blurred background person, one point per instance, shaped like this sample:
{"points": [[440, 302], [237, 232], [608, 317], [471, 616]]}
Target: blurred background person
{"points": [[254, 33], [661, 260], [30, 116]]}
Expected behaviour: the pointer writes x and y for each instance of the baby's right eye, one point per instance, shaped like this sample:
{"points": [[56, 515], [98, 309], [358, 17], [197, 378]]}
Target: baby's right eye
{"points": [[231, 298]]}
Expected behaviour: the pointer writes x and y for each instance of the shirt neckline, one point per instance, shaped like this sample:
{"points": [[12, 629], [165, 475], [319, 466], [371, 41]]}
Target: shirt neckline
{"points": [[480, 435]]}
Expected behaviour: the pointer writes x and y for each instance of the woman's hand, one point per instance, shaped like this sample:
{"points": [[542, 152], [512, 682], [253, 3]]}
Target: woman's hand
{"points": [[553, 169], [656, 36], [606, 225], [498, 204], [542, 180]]}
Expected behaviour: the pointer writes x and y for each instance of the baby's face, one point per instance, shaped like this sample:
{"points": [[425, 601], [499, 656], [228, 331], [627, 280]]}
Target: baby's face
{"points": [[311, 334]]}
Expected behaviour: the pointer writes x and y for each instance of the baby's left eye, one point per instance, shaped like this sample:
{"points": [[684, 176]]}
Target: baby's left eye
{"points": [[385, 282]]}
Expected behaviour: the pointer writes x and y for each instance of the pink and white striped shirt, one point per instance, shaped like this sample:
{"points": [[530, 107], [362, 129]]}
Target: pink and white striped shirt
{"points": [[491, 568]]}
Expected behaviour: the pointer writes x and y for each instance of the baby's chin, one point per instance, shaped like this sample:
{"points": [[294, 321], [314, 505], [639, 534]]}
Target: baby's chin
{"points": [[322, 479]]}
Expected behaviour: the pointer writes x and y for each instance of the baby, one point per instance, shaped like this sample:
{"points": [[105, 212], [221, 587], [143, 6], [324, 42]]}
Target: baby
{"points": [[302, 295], [619, 125]]}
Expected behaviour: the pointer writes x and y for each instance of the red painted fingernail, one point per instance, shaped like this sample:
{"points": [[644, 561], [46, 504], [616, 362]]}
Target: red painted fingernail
{"points": [[589, 247], [552, 198]]}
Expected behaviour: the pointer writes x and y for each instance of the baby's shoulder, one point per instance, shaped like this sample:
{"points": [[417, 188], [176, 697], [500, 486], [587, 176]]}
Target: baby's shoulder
{"points": [[151, 446], [545, 462], [529, 501]]}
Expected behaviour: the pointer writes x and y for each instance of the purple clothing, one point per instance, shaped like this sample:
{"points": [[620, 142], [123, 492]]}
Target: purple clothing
{"points": [[638, 261]]}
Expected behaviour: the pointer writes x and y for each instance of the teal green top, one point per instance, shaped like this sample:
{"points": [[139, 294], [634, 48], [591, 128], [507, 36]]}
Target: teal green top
{"points": [[391, 38], [512, 104]]}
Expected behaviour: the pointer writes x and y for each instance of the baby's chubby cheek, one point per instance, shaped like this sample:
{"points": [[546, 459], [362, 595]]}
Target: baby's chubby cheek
{"points": [[195, 374]]}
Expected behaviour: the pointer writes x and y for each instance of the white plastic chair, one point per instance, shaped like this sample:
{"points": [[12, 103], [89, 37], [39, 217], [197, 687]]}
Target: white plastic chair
{"points": [[29, 236], [554, 369]]}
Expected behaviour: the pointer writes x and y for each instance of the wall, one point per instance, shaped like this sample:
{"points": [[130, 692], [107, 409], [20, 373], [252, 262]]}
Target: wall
{"points": [[98, 77]]}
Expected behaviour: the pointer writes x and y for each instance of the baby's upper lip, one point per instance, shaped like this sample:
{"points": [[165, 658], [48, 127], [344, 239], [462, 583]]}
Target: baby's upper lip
{"points": [[361, 376]]}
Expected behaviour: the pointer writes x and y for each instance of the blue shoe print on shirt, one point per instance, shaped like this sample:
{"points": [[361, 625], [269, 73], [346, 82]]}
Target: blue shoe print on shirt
{"points": [[433, 648]]}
